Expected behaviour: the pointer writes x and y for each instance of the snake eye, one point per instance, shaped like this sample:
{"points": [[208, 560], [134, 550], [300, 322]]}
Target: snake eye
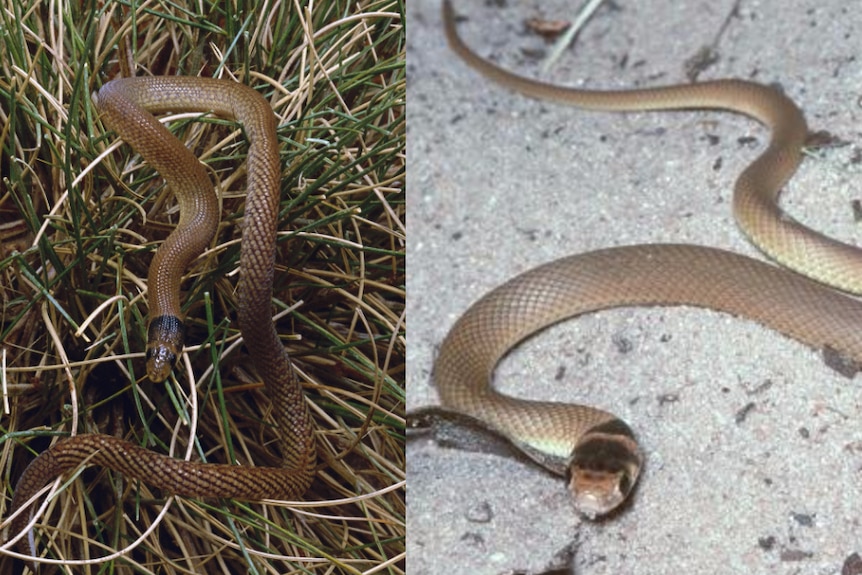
{"points": [[624, 481]]}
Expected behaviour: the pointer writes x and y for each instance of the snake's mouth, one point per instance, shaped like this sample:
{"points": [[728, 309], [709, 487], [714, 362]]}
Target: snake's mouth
{"points": [[604, 469]]}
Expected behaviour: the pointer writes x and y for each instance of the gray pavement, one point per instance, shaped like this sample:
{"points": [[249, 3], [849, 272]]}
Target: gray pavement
{"points": [[754, 446]]}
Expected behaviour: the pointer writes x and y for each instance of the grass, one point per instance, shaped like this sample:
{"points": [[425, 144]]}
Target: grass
{"points": [[79, 223]]}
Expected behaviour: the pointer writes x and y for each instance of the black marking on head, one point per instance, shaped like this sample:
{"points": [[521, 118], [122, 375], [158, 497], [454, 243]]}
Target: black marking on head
{"points": [[613, 427], [166, 330], [603, 453]]}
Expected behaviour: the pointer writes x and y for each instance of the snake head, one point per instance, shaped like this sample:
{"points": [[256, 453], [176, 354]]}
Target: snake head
{"points": [[165, 338], [604, 468]]}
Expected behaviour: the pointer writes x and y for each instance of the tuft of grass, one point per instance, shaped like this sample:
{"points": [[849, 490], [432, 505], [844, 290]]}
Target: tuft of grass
{"points": [[80, 219]]}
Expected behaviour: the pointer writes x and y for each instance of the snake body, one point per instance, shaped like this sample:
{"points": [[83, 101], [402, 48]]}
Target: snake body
{"points": [[127, 106], [596, 448]]}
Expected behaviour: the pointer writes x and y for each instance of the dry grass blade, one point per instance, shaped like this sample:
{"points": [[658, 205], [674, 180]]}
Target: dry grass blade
{"points": [[79, 223]]}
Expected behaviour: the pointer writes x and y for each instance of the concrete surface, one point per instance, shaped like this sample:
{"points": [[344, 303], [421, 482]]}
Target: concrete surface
{"points": [[754, 446]]}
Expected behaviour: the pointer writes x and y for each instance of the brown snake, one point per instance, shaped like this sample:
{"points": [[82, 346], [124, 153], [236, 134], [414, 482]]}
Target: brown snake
{"points": [[595, 447], [127, 106]]}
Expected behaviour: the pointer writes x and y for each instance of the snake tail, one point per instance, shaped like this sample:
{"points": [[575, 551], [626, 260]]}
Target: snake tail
{"points": [[755, 200]]}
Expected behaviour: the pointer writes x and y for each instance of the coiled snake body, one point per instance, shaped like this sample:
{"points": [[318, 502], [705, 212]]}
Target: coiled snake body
{"points": [[127, 105], [596, 448]]}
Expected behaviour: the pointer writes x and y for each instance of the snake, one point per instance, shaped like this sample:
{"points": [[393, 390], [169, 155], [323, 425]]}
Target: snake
{"points": [[128, 105], [596, 450]]}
